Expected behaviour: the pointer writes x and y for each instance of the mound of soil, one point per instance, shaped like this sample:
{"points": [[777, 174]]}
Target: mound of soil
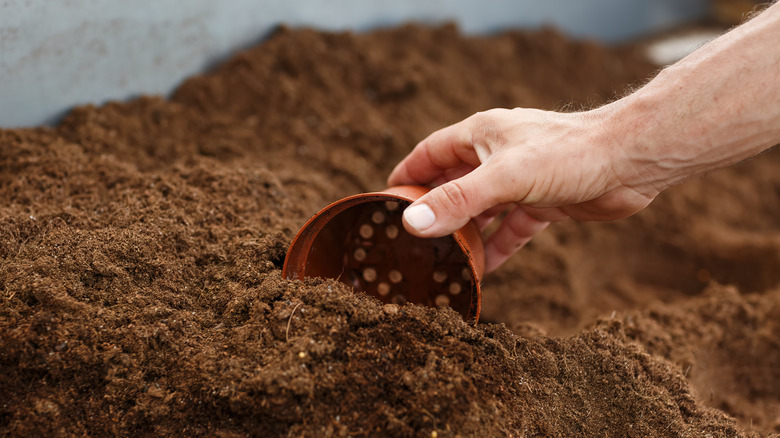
{"points": [[141, 245]]}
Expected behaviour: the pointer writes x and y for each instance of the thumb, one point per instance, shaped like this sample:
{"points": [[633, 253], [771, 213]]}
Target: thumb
{"points": [[448, 207]]}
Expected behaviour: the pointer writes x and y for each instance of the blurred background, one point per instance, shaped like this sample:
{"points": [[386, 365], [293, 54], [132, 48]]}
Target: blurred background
{"points": [[54, 55]]}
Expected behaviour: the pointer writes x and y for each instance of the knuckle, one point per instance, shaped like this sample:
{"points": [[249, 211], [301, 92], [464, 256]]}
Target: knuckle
{"points": [[489, 129], [455, 197], [482, 118], [486, 118], [517, 224]]}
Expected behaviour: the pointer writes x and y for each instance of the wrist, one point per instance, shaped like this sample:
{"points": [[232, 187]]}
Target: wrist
{"points": [[623, 132], [665, 133], [716, 107]]}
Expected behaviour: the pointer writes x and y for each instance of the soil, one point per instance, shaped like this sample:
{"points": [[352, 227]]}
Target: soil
{"points": [[141, 245]]}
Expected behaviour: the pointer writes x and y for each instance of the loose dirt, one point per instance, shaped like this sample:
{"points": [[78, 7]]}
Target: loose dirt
{"points": [[141, 245]]}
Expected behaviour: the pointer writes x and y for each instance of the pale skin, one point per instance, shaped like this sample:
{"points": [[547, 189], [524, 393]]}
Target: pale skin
{"points": [[718, 106]]}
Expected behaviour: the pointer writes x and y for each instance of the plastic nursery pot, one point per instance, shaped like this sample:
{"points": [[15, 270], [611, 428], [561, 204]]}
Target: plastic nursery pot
{"points": [[360, 240]]}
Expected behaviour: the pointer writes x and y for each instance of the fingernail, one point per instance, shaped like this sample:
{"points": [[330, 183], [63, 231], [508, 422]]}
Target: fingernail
{"points": [[420, 217]]}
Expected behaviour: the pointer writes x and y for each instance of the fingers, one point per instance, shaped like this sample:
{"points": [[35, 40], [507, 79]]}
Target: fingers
{"points": [[450, 206], [550, 214], [451, 174], [486, 217], [517, 228], [442, 151]]}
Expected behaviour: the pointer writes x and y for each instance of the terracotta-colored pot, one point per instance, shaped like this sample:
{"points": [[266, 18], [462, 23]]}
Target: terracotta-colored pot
{"points": [[360, 240]]}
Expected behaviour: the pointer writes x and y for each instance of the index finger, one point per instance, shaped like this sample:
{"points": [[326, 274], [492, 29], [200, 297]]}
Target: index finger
{"points": [[445, 149]]}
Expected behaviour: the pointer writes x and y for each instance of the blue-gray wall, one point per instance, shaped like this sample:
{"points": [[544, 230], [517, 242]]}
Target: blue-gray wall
{"points": [[58, 53]]}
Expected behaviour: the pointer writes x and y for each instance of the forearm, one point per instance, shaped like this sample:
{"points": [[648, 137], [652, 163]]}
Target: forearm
{"points": [[718, 106]]}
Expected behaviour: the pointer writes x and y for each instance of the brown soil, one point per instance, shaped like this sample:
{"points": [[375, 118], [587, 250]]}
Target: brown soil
{"points": [[141, 246]]}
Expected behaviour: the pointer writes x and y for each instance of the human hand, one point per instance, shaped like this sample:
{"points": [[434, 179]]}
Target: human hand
{"points": [[541, 166], [606, 163]]}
